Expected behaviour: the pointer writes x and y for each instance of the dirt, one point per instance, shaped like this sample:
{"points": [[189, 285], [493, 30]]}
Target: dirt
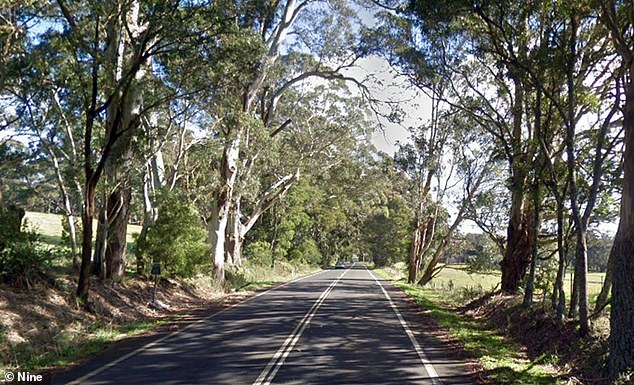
{"points": [[34, 317], [540, 334]]}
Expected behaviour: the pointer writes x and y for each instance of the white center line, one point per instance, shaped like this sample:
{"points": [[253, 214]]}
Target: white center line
{"points": [[271, 369], [431, 371]]}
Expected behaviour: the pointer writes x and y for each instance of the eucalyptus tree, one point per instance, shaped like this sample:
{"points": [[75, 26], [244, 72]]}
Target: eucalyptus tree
{"points": [[323, 213], [15, 21], [617, 18], [320, 37], [49, 117], [422, 160], [327, 121], [110, 47], [476, 49]]}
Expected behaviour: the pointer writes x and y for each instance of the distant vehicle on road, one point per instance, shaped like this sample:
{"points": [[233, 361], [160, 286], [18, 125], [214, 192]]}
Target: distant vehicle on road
{"points": [[340, 265], [355, 259]]}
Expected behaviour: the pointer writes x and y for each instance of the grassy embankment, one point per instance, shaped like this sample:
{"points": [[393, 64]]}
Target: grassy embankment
{"points": [[43, 328], [502, 360]]}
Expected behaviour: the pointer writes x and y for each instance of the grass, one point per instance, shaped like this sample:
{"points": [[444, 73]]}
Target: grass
{"points": [[49, 226], [73, 345], [502, 360], [456, 279], [252, 276]]}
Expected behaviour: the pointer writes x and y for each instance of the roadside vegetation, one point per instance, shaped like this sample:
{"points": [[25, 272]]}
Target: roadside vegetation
{"points": [[507, 343], [231, 142], [43, 328]]}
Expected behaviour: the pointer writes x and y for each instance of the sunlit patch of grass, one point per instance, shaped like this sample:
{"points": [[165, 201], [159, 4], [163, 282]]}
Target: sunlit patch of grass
{"points": [[503, 361], [458, 282], [49, 226]]}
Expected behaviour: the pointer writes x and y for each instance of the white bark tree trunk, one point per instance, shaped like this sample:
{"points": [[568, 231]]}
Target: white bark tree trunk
{"points": [[222, 206]]}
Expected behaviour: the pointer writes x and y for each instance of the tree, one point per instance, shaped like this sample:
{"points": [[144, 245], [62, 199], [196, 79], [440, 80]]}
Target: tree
{"points": [[110, 49], [252, 104], [617, 17]]}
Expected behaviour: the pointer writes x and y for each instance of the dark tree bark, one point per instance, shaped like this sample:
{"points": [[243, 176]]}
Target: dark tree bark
{"points": [[88, 213], [530, 283], [559, 295], [517, 254], [118, 214], [621, 341]]}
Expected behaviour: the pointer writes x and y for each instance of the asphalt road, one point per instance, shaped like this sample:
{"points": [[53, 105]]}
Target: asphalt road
{"points": [[334, 327]]}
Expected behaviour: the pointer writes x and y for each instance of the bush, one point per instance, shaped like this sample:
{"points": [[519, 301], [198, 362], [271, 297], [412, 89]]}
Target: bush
{"points": [[22, 258], [177, 239], [306, 252], [259, 252]]}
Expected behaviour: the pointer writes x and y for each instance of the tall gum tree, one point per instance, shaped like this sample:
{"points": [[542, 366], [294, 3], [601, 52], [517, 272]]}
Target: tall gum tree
{"points": [[256, 109], [478, 48], [618, 19], [110, 56]]}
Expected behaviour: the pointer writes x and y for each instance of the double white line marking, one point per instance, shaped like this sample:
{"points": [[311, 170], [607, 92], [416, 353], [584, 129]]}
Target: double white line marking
{"points": [[271, 369]]}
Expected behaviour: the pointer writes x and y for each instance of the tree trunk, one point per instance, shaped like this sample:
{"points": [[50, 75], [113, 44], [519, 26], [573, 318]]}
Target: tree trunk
{"points": [[148, 220], [233, 253], [88, 212], [530, 283], [414, 253], [222, 206], [621, 341], [118, 214], [602, 299], [581, 257], [573, 312], [517, 254], [68, 208], [153, 181], [559, 295], [124, 119], [99, 256], [72, 235]]}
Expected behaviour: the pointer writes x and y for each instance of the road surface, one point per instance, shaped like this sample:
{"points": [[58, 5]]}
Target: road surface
{"points": [[346, 326]]}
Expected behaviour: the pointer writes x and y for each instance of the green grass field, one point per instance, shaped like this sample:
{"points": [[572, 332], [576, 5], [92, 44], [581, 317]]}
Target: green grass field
{"points": [[457, 277], [49, 226]]}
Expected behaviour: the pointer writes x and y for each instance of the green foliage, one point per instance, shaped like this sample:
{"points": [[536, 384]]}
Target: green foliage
{"points": [[177, 239], [387, 232], [259, 252], [480, 253], [307, 251], [23, 258]]}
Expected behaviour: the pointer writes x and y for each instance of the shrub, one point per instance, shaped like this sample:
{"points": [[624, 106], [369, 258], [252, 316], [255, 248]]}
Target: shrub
{"points": [[177, 239], [23, 258], [259, 252], [306, 252]]}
